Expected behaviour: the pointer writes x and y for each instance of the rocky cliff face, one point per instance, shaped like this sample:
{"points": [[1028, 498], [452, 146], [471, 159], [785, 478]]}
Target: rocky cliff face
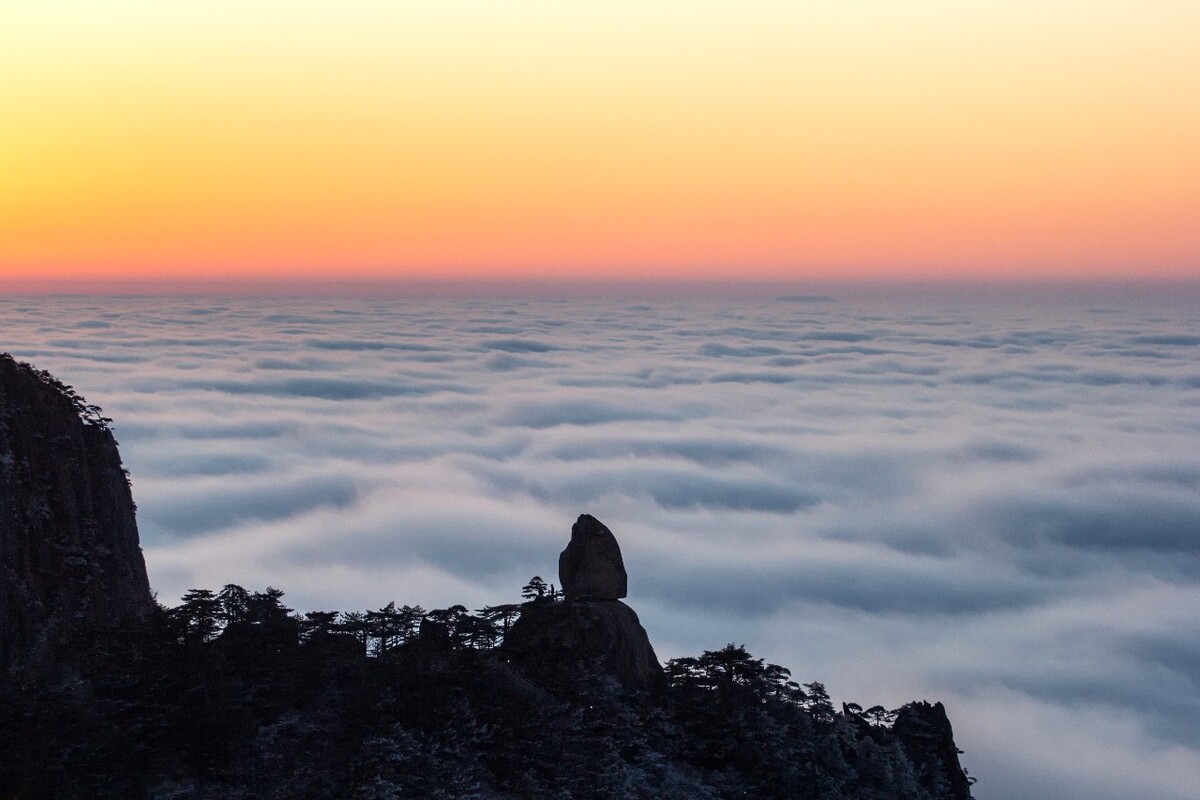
{"points": [[70, 562], [925, 734]]}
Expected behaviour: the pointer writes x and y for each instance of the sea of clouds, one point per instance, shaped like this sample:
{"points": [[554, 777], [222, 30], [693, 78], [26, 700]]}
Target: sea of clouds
{"points": [[991, 501]]}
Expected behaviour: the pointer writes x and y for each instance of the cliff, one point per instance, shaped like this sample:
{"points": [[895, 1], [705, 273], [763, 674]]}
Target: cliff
{"points": [[927, 737], [70, 563]]}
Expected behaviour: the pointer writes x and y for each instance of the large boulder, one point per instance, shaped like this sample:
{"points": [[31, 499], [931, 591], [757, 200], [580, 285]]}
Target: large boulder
{"points": [[591, 568], [71, 568]]}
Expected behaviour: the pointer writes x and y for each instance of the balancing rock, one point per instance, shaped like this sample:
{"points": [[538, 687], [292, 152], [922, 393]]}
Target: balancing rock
{"points": [[590, 568]]}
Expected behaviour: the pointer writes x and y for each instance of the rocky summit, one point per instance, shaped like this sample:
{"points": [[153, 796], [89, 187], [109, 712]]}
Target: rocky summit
{"points": [[591, 568]]}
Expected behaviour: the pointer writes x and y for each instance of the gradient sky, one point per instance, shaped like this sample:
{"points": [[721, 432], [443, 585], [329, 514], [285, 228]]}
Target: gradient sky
{"points": [[867, 139]]}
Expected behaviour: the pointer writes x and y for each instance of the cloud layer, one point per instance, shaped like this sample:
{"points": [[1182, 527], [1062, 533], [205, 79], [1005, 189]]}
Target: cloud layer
{"points": [[994, 504]]}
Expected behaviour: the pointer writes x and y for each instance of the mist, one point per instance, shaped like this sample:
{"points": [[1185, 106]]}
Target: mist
{"points": [[987, 498]]}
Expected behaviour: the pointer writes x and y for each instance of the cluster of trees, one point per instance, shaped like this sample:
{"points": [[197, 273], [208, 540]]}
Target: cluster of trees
{"points": [[233, 695], [90, 414], [203, 615]]}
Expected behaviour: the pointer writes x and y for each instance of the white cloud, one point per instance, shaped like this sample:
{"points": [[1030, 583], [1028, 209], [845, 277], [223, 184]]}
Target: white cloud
{"points": [[992, 505]]}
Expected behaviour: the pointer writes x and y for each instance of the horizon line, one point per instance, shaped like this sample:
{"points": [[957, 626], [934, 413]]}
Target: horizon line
{"points": [[1152, 290], [549, 286]]}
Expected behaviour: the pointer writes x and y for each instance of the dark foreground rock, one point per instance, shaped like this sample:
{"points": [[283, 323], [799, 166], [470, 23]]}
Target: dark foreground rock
{"points": [[70, 563]]}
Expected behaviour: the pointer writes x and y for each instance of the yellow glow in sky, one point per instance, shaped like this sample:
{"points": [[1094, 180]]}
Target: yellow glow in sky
{"points": [[859, 138]]}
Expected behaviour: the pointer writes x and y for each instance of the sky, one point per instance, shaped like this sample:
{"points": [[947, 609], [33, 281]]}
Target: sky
{"points": [[990, 500], [224, 141]]}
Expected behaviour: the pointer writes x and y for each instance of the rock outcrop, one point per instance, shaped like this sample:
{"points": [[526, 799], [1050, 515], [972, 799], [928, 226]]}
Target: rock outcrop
{"points": [[591, 568], [591, 625], [925, 734], [606, 632], [70, 564]]}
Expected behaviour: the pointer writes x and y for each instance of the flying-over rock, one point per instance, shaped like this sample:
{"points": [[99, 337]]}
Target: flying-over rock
{"points": [[591, 626], [591, 568], [70, 563]]}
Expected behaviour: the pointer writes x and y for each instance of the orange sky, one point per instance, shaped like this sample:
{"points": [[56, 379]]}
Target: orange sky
{"points": [[777, 140]]}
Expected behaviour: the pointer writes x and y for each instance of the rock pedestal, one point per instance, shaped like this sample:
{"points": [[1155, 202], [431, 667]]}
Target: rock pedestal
{"points": [[591, 568], [549, 635]]}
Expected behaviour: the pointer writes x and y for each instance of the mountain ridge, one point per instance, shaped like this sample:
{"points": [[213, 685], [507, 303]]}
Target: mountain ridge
{"points": [[232, 694]]}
